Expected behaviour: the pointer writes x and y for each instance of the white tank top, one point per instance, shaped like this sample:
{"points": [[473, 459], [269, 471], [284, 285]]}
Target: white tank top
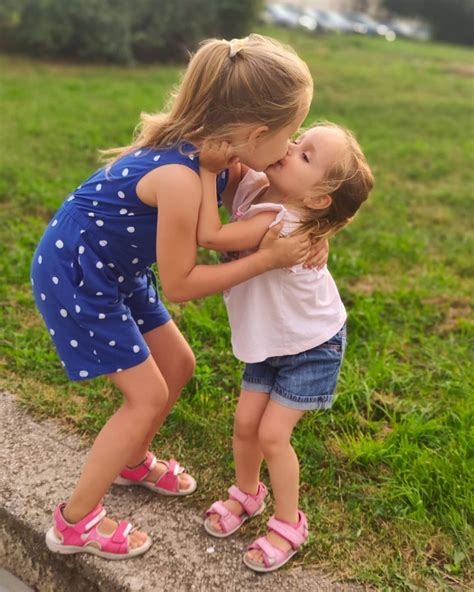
{"points": [[283, 311]]}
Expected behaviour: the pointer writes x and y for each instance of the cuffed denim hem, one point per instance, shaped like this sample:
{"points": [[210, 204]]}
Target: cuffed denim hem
{"points": [[257, 387], [303, 403]]}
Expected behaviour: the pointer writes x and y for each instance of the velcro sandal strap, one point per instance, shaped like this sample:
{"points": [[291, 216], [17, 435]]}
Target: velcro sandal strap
{"points": [[169, 480], [173, 465], [250, 503], [140, 472], [150, 461], [94, 520], [271, 554], [116, 543], [58, 518], [218, 508], [227, 520], [122, 532], [295, 535], [75, 534], [84, 525]]}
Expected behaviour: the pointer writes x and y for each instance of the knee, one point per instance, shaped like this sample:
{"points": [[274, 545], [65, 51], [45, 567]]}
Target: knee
{"points": [[159, 402], [187, 366], [159, 398], [271, 441], [152, 402], [183, 369], [245, 427]]}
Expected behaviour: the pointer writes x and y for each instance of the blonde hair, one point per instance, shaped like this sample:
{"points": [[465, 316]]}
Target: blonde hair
{"points": [[262, 83], [348, 182]]}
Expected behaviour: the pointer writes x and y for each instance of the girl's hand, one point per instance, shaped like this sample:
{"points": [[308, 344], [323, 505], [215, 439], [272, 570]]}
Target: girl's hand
{"points": [[286, 251], [217, 156], [318, 255]]}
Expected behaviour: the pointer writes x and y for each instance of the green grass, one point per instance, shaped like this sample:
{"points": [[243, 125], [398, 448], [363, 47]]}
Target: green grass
{"points": [[387, 473]]}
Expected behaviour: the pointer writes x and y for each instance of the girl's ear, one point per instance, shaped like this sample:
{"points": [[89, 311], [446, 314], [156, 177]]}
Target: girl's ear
{"points": [[318, 202], [257, 133]]}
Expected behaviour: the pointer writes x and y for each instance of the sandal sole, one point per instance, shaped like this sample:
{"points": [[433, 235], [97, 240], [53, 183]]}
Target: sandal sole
{"points": [[56, 546], [261, 568], [151, 487]]}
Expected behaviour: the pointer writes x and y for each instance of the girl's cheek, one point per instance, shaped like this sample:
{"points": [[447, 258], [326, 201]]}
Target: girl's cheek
{"points": [[255, 160], [283, 152]]}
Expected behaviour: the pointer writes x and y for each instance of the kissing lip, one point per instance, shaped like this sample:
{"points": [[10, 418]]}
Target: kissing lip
{"points": [[278, 162]]}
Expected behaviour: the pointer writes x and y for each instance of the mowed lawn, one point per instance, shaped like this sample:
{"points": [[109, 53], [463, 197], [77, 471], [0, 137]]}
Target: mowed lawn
{"points": [[387, 473]]}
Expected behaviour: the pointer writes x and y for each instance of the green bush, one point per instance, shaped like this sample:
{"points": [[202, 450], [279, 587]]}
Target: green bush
{"points": [[118, 30]]}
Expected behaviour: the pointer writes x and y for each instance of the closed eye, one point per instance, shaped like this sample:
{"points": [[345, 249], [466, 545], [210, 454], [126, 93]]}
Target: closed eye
{"points": [[305, 157]]}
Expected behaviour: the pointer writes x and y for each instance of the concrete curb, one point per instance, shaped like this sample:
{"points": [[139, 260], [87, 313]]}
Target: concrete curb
{"points": [[42, 464]]}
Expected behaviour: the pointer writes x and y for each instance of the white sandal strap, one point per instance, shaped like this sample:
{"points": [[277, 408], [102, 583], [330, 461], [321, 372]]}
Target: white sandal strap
{"points": [[127, 530], [95, 520]]}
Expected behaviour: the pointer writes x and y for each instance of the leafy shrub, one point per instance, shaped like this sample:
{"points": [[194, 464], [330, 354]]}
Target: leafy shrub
{"points": [[118, 30]]}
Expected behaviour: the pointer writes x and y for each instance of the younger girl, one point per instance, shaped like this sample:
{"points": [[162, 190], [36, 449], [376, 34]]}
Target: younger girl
{"points": [[288, 325], [94, 287]]}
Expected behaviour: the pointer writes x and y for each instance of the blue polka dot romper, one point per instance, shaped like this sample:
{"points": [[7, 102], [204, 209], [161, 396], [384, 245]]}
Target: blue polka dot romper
{"points": [[91, 273]]}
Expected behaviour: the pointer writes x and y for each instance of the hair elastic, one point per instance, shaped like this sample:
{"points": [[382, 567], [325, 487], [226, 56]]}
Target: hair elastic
{"points": [[235, 45]]}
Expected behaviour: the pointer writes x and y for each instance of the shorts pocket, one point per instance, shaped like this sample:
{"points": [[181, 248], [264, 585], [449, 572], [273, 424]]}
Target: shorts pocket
{"points": [[336, 342]]}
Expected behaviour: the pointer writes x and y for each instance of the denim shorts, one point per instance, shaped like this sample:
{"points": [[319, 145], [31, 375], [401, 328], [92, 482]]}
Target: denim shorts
{"points": [[303, 381]]}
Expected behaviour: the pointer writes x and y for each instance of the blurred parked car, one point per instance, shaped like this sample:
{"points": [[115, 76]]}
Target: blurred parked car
{"points": [[329, 21], [303, 17], [422, 32], [363, 23], [401, 29], [409, 29], [308, 20], [277, 14]]}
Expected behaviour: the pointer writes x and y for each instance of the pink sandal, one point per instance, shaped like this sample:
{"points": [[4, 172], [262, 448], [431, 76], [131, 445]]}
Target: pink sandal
{"points": [[167, 484], [253, 505], [273, 557], [84, 536]]}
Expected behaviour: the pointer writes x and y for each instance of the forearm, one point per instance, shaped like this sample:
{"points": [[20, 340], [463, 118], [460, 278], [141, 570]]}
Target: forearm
{"points": [[233, 236], [209, 224], [204, 280]]}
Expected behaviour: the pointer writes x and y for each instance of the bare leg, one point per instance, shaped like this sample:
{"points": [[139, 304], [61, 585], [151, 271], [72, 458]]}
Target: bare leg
{"points": [[247, 452], [145, 396], [274, 434], [176, 361]]}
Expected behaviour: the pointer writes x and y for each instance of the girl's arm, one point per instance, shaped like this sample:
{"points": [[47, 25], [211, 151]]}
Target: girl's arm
{"points": [[235, 236], [215, 156], [178, 199], [214, 235], [234, 178], [236, 173]]}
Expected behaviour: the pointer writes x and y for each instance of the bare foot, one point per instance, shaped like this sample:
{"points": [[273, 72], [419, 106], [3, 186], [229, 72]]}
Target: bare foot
{"points": [[233, 506], [160, 469], [256, 555], [107, 526]]}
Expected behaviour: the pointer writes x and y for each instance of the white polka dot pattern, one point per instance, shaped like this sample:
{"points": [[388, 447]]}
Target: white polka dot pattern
{"points": [[92, 284]]}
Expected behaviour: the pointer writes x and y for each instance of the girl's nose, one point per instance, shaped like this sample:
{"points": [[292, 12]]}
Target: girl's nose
{"points": [[284, 155]]}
